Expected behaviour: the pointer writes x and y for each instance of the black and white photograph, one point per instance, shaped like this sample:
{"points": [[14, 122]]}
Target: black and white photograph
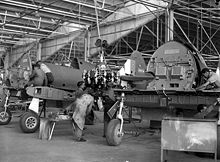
{"points": [[109, 80]]}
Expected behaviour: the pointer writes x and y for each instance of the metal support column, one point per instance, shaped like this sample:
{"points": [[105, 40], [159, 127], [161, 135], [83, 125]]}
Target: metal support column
{"points": [[158, 25], [39, 51], [171, 15], [167, 26]]}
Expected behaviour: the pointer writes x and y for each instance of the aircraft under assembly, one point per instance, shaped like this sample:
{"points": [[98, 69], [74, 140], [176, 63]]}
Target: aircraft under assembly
{"points": [[164, 87], [143, 74], [58, 95]]}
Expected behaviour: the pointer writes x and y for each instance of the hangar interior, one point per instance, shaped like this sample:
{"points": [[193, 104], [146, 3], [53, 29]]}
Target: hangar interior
{"points": [[59, 30]]}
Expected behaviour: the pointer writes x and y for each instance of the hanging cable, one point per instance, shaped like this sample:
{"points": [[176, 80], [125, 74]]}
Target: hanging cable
{"points": [[97, 19], [102, 59]]}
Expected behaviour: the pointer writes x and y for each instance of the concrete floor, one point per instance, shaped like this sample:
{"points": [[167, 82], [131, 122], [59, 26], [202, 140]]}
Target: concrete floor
{"points": [[16, 146]]}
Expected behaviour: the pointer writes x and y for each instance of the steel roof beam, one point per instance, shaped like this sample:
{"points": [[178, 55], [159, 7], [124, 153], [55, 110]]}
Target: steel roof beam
{"points": [[48, 15], [30, 28], [16, 15], [8, 37], [46, 9], [88, 5], [10, 31]]}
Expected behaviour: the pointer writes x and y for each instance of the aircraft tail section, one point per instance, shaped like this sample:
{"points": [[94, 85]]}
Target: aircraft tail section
{"points": [[218, 68], [135, 71], [135, 65]]}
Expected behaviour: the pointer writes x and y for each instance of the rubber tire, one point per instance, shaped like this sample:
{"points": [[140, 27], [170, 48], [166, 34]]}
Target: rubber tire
{"points": [[9, 116], [112, 137], [218, 142], [29, 116], [2, 99]]}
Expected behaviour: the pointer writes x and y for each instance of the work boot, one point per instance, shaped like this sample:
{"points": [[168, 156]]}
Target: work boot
{"points": [[81, 140]]}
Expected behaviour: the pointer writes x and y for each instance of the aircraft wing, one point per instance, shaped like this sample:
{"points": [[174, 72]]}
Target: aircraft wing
{"points": [[137, 78], [50, 93], [211, 90]]}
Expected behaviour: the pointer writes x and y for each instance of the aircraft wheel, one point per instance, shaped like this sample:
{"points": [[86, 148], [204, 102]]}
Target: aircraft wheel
{"points": [[5, 117], [218, 142], [2, 100], [2, 97], [113, 136], [29, 122]]}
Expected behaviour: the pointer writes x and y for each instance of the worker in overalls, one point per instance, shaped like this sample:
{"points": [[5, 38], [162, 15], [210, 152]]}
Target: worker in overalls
{"points": [[80, 107]]}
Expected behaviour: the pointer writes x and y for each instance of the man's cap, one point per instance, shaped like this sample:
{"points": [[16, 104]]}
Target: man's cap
{"points": [[36, 65], [204, 70], [39, 62], [80, 83]]}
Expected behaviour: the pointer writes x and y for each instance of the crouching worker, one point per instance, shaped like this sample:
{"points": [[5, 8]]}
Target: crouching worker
{"points": [[80, 107], [37, 76], [83, 106]]}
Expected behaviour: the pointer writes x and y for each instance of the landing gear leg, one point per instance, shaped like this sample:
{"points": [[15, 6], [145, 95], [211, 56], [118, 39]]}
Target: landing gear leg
{"points": [[5, 117], [218, 132], [114, 132], [43, 109], [5, 114]]}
